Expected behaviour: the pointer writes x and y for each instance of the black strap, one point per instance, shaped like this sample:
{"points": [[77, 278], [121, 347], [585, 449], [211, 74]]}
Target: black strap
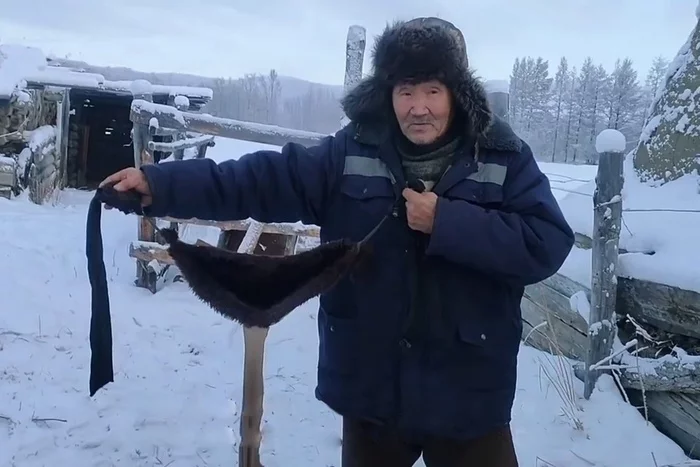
{"points": [[101, 366]]}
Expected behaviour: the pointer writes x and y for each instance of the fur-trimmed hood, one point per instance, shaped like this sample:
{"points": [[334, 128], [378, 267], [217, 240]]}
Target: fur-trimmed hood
{"points": [[424, 49]]}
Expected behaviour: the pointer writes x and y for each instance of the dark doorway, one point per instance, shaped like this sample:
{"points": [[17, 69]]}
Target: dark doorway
{"points": [[100, 137]]}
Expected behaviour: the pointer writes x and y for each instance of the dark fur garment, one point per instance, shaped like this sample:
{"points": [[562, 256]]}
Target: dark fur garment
{"points": [[260, 290]]}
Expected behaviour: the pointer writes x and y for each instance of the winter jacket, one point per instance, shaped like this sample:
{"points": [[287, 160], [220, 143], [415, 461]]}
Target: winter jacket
{"points": [[427, 335]]}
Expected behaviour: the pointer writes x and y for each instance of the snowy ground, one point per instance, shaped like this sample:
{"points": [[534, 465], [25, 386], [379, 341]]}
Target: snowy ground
{"points": [[178, 367]]}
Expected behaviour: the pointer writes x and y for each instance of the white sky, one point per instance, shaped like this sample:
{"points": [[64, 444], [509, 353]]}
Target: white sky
{"points": [[306, 38]]}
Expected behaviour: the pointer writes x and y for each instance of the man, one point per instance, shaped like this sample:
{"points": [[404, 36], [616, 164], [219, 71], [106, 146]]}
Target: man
{"points": [[418, 353]]}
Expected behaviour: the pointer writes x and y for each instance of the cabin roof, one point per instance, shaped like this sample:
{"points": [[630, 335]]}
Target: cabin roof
{"points": [[23, 67]]}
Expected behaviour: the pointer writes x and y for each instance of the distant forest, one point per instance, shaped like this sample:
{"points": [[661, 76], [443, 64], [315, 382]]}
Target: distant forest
{"points": [[559, 115]]}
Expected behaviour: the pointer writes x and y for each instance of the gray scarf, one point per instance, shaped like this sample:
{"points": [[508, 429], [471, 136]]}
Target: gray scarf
{"points": [[427, 163]]}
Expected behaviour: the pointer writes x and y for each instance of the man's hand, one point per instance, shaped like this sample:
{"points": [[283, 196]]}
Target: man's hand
{"points": [[130, 179], [420, 209]]}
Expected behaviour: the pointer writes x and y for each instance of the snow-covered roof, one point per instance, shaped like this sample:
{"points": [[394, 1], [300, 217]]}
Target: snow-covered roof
{"points": [[22, 66]]}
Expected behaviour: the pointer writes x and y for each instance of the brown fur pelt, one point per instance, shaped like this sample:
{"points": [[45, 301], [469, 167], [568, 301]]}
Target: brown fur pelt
{"points": [[260, 290]]}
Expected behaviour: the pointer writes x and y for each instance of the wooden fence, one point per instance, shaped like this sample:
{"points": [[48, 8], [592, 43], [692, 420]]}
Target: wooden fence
{"points": [[626, 308]]}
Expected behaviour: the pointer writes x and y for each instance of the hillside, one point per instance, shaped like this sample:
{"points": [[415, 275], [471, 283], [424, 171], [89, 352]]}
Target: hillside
{"points": [[291, 87], [286, 101]]}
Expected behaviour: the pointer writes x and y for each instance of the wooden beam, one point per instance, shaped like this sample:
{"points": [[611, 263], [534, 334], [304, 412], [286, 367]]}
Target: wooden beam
{"points": [[557, 303], [143, 111], [607, 220], [181, 144], [555, 337], [665, 307], [675, 415], [565, 285], [146, 252], [654, 375], [300, 230]]}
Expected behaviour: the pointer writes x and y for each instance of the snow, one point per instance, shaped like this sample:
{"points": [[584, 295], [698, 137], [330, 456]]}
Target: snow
{"points": [[497, 85], [178, 365], [140, 87], [661, 219], [40, 136], [16, 62], [21, 64], [181, 101], [610, 140]]}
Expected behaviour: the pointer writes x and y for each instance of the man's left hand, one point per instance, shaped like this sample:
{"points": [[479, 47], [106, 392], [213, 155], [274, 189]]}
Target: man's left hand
{"points": [[420, 209]]}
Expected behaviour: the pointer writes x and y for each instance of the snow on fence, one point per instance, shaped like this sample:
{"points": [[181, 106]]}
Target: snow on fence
{"points": [[566, 318]]}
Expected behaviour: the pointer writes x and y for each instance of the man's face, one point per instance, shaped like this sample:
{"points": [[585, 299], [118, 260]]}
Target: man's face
{"points": [[423, 110]]}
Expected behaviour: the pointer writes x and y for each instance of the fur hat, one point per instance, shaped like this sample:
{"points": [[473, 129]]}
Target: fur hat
{"points": [[416, 51]]}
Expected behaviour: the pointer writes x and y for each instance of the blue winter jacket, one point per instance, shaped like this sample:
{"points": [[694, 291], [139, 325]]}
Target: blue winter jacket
{"points": [[427, 336]]}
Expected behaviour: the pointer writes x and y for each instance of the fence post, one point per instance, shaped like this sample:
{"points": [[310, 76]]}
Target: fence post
{"points": [[607, 219], [145, 275], [354, 57], [498, 95]]}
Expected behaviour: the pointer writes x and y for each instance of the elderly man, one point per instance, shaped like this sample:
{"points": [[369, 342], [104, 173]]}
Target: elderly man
{"points": [[418, 353]]}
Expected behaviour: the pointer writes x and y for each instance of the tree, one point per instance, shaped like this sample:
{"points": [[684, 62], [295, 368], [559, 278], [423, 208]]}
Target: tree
{"points": [[670, 141], [561, 81]]}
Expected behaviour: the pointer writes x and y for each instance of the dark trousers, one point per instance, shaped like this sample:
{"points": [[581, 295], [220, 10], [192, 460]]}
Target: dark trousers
{"points": [[366, 445]]}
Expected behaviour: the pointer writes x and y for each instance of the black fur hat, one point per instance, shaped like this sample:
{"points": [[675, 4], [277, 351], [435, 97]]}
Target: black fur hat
{"points": [[415, 51]]}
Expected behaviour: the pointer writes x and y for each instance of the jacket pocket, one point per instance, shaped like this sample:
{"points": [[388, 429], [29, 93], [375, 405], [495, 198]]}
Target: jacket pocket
{"points": [[339, 345]]}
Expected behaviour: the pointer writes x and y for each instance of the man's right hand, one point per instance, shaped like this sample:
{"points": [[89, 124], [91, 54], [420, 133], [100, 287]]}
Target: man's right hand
{"points": [[131, 179]]}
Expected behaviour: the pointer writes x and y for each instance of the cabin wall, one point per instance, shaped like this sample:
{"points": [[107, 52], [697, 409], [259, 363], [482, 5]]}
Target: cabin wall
{"points": [[27, 143]]}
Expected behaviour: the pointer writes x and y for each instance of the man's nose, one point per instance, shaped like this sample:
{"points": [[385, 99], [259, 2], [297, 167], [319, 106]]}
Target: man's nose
{"points": [[419, 109]]}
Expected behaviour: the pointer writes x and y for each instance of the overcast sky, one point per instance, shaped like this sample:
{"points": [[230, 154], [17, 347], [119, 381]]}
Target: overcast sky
{"points": [[306, 38]]}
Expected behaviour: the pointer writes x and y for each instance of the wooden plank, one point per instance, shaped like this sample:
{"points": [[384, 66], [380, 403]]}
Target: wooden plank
{"points": [[607, 220], [565, 285], [583, 241], [146, 252], [278, 228], [556, 304], [181, 144], [169, 117], [675, 415], [665, 307], [556, 337]]}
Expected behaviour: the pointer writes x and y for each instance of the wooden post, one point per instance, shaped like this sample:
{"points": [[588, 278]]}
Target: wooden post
{"points": [[253, 374], [146, 276], [607, 219], [498, 95], [181, 103], [354, 58], [63, 131]]}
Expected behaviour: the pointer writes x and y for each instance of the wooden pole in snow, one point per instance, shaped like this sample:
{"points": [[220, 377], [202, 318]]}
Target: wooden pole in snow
{"points": [[354, 58], [254, 338], [607, 220], [253, 374], [145, 275]]}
